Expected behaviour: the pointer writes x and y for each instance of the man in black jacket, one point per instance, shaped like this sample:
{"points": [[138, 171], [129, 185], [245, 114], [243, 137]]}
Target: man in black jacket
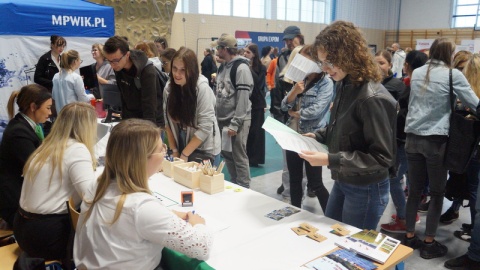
{"points": [[136, 80]]}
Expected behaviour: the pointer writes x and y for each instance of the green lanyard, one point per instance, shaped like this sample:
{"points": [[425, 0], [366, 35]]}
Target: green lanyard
{"points": [[39, 132]]}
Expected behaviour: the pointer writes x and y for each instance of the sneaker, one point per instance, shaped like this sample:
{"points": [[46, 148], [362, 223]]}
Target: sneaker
{"points": [[433, 250], [394, 227], [423, 208], [462, 263], [413, 242], [449, 216], [417, 218], [311, 193], [280, 189], [464, 235], [286, 199]]}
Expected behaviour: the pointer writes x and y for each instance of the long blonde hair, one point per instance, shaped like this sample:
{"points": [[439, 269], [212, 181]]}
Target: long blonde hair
{"points": [[78, 121], [130, 144], [472, 73]]}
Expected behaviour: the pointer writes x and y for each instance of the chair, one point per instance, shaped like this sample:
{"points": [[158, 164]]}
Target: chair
{"points": [[8, 256], [73, 213]]}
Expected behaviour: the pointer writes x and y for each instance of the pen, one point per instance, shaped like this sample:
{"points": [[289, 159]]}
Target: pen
{"points": [[193, 212]]}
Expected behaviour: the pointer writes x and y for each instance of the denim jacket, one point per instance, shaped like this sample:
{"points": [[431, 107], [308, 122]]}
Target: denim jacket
{"points": [[429, 107], [315, 104]]}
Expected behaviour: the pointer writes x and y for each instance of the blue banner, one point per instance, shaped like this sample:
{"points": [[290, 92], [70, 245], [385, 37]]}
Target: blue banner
{"points": [[262, 39], [72, 18]]}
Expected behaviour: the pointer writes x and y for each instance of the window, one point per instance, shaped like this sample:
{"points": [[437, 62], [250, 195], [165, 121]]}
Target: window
{"points": [[313, 11], [465, 13], [204, 7], [240, 8]]}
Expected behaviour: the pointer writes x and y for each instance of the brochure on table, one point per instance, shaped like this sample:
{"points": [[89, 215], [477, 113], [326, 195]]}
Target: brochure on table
{"points": [[371, 244]]}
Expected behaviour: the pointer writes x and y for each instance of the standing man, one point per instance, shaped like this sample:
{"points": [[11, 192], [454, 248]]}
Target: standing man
{"points": [[234, 109], [136, 80], [398, 60]]}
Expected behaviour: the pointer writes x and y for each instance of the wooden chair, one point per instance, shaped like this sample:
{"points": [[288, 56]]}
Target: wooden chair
{"points": [[73, 213], [8, 256]]}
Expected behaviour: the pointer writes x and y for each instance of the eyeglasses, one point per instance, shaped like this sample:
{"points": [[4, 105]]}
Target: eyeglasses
{"points": [[94, 51], [115, 61], [162, 152], [165, 63], [219, 47], [81, 61], [325, 64]]}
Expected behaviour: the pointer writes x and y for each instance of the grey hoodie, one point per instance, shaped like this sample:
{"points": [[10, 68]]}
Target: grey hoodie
{"points": [[233, 105]]}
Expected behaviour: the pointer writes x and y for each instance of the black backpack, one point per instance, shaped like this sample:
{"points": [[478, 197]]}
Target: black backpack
{"points": [[162, 78], [233, 70]]}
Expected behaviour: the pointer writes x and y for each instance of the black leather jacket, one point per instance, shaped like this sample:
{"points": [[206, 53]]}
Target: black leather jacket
{"points": [[361, 135], [45, 70]]}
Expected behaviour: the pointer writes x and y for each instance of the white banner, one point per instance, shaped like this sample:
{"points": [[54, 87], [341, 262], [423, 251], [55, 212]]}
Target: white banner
{"points": [[424, 44], [20, 54]]}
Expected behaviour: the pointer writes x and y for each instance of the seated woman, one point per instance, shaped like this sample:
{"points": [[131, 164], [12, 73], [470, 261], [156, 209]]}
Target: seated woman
{"points": [[189, 106], [122, 225], [62, 167], [21, 137], [68, 86]]}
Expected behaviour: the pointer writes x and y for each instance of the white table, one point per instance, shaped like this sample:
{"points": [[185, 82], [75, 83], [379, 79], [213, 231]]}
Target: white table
{"points": [[248, 239]]}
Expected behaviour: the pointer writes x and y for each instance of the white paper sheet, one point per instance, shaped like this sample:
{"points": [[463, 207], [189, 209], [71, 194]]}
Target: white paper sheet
{"points": [[288, 139], [300, 68]]}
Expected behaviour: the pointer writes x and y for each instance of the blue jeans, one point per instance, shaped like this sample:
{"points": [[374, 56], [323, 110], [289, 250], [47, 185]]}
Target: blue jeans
{"points": [[359, 206], [474, 248], [396, 189], [425, 156]]}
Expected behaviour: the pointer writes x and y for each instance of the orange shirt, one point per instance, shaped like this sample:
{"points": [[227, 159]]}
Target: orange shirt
{"points": [[271, 74]]}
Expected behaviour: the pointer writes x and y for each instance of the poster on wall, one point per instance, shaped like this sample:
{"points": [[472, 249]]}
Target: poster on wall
{"points": [[476, 46], [469, 44], [262, 39], [424, 44]]}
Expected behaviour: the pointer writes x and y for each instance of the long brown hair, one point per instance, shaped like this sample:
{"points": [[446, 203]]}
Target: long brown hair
{"points": [[130, 144], [182, 100], [442, 50], [347, 49]]}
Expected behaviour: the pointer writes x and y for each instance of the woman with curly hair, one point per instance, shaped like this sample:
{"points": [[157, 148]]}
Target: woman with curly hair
{"points": [[361, 135]]}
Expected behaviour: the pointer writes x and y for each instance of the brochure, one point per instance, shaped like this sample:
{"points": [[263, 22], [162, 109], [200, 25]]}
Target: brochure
{"points": [[371, 244]]}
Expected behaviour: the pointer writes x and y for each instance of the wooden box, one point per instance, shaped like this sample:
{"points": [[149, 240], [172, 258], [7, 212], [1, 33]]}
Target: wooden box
{"points": [[183, 176], [168, 166], [212, 184]]}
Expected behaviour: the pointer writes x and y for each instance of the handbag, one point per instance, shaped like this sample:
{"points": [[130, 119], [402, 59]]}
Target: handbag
{"points": [[462, 138], [457, 187]]}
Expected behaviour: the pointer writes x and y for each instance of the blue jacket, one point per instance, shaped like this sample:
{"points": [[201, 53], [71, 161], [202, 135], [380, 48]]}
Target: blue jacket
{"points": [[429, 107], [315, 104]]}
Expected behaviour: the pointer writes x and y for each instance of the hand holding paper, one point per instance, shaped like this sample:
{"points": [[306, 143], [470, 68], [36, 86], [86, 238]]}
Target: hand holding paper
{"points": [[315, 158], [289, 139]]}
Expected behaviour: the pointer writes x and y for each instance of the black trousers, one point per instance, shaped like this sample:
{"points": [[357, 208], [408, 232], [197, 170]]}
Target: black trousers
{"points": [[314, 180], [43, 236], [256, 138]]}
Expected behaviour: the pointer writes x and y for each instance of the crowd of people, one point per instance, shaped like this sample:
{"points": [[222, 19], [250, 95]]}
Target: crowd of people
{"points": [[383, 116]]}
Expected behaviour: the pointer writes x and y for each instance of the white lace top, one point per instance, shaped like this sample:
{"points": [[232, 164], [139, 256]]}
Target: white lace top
{"points": [[136, 239]]}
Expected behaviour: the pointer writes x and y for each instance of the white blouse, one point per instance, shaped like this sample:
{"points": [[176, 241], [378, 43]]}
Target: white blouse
{"points": [[136, 239], [45, 196]]}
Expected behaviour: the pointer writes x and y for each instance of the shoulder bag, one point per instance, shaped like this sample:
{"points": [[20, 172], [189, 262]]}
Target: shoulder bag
{"points": [[462, 138]]}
